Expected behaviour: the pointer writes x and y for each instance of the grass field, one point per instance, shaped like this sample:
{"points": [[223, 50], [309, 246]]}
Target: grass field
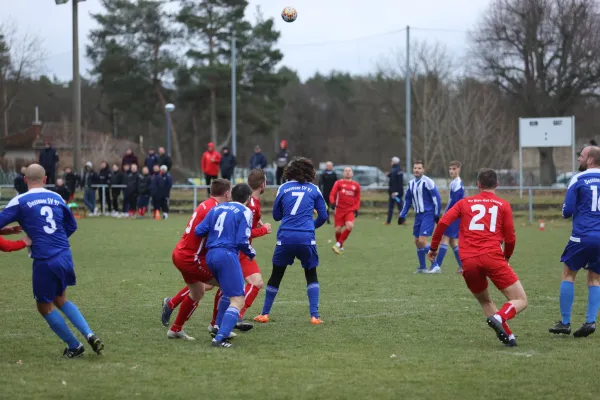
{"points": [[388, 334]]}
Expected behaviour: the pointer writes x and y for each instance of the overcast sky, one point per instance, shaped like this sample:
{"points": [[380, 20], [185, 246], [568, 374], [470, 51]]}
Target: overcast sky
{"points": [[350, 36]]}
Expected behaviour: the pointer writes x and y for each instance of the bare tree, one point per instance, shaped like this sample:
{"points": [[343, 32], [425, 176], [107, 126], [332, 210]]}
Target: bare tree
{"points": [[544, 54], [21, 57]]}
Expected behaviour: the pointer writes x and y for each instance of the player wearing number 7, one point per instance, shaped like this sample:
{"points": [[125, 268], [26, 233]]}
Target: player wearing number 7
{"points": [[49, 223], [485, 222]]}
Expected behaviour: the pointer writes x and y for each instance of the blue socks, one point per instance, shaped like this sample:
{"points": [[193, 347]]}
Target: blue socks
{"points": [[441, 254], [230, 318], [566, 298], [312, 291], [421, 253], [74, 315], [593, 304], [270, 293], [456, 255], [59, 326], [223, 305]]}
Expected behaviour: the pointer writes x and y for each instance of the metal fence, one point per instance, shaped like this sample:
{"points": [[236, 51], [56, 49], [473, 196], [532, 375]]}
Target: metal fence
{"points": [[535, 202]]}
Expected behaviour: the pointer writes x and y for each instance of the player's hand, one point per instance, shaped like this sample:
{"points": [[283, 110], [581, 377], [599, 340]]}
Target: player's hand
{"points": [[401, 220], [268, 226], [436, 219], [393, 195], [432, 255], [27, 241], [11, 230], [355, 213]]}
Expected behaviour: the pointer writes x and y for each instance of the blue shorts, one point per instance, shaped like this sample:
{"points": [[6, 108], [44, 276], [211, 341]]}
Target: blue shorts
{"points": [[51, 276], [424, 224], [227, 270], [582, 255], [452, 230], [285, 254]]}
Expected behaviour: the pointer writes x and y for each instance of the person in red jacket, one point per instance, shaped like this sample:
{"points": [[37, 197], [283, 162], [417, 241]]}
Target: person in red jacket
{"points": [[210, 164], [10, 245]]}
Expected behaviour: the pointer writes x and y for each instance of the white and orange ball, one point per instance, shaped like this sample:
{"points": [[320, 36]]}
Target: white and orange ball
{"points": [[289, 14]]}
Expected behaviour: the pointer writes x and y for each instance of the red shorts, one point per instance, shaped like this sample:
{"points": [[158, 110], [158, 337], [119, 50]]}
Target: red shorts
{"points": [[192, 271], [249, 267], [342, 216], [477, 269]]}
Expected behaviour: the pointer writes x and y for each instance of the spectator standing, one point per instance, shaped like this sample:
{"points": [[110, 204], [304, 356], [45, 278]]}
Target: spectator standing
{"points": [[156, 170], [19, 182], [104, 193], [151, 159], [48, 160], [210, 164], [164, 158], [258, 159], [128, 159], [116, 178], [161, 192], [144, 191], [228, 163], [395, 188], [131, 182], [283, 158], [326, 182], [90, 178], [62, 190], [72, 181]]}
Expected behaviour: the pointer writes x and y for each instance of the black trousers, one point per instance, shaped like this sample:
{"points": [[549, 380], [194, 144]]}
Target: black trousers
{"points": [[104, 199], [391, 204], [279, 175], [115, 198], [208, 179]]}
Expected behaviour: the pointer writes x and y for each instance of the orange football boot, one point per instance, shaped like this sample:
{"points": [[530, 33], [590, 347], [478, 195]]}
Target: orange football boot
{"points": [[263, 319], [316, 321]]}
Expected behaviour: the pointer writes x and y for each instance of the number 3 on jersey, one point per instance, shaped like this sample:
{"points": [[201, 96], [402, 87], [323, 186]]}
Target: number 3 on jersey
{"points": [[480, 210], [299, 196], [47, 212]]}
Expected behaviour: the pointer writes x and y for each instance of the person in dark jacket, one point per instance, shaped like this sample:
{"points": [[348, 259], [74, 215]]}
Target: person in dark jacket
{"points": [[326, 182], [90, 178], [258, 159], [104, 193], [395, 189], [227, 164], [48, 160], [72, 181], [128, 159], [144, 191], [161, 191], [155, 170], [151, 159], [62, 190], [282, 159], [19, 182], [164, 158], [131, 182], [116, 178]]}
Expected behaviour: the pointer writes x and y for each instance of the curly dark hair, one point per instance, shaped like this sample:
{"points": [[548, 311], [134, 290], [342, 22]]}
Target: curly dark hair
{"points": [[300, 169]]}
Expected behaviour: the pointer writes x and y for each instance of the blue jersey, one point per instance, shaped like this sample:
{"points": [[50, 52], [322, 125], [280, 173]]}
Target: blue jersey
{"points": [[423, 196], [457, 192], [294, 206], [45, 218], [582, 203], [228, 226]]}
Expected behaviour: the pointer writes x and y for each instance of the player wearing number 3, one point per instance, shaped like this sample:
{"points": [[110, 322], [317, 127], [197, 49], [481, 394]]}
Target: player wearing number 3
{"points": [[485, 222], [47, 220]]}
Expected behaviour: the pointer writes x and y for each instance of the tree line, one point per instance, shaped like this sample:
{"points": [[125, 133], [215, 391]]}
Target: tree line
{"points": [[527, 58]]}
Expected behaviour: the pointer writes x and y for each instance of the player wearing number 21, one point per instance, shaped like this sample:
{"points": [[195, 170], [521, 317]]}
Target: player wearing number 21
{"points": [[583, 248], [485, 222], [47, 220]]}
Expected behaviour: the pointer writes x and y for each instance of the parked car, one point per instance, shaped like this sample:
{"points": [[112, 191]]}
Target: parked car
{"points": [[366, 176]]}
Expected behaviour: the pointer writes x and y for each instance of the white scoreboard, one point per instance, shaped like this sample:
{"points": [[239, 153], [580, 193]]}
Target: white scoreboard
{"points": [[546, 132]]}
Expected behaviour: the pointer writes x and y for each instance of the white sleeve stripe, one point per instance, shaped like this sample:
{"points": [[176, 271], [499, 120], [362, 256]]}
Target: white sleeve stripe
{"points": [[14, 202]]}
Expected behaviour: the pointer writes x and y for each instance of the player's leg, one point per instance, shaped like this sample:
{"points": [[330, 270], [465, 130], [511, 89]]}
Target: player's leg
{"points": [[420, 244], [593, 282], [77, 319], [437, 263], [348, 226], [309, 258], [282, 257], [455, 250], [254, 282], [328, 209], [171, 303], [188, 306], [338, 225], [574, 257]]}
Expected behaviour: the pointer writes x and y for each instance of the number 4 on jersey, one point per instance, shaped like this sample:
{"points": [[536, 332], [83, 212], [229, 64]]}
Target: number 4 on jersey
{"points": [[480, 210], [220, 223]]}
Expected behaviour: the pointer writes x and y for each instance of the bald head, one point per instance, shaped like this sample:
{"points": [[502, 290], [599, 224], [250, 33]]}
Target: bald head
{"points": [[329, 165], [589, 158], [35, 176]]}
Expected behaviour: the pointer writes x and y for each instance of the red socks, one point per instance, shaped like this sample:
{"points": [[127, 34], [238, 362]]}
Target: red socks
{"points": [[216, 306], [507, 328], [250, 294], [507, 312], [337, 236], [343, 236], [179, 297], [188, 306]]}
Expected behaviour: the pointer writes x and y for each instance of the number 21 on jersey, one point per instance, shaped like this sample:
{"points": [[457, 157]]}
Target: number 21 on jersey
{"points": [[480, 209]]}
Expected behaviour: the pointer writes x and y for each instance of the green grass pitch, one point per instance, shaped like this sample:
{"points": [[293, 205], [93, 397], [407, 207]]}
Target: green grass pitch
{"points": [[388, 334]]}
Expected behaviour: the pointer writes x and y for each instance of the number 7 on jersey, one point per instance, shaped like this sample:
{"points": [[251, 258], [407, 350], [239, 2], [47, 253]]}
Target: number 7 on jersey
{"points": [[299, 196]]}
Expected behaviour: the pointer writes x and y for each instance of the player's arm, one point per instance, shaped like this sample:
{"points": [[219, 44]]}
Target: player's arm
{"points": [[570, 203], [9, 245], [11, 230], [321, 208], [407, 204], [449, 217], [436, 198], [243, 234], [68, 220], [277, 206], [203, 227], [333, 194], [357, 206], [508, 230], [259, 231], [10, 213]]}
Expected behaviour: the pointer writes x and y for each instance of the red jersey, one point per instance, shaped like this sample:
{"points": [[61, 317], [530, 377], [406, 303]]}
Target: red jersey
{"points": [[345, 195], [254, 206], [191, 246], [485, 222]]}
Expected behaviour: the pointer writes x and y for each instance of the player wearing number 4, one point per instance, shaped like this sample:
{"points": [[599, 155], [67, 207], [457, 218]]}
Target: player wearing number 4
{"points": [[583, 249], [485, 222], [424, 197], [47, 220]]}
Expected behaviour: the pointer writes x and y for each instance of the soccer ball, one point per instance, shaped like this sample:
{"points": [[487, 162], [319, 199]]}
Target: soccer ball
{"points": [[289, 14]]}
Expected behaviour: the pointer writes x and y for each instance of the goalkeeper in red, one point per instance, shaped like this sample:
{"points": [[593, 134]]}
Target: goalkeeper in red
{"points": [[345, 200], [485, 223]]}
